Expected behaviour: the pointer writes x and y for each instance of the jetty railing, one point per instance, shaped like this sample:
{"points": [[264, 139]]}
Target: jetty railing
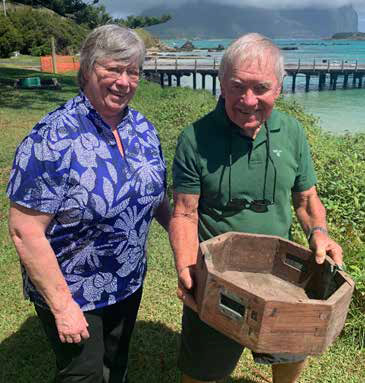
{"points": [[165, 68]]}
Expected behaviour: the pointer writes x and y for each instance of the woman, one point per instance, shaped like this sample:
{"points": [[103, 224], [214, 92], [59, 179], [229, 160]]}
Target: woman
{"points": [[85, 185]]}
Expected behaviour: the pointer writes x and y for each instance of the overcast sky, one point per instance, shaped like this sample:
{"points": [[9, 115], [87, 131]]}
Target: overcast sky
{"points": [[122, 8]]}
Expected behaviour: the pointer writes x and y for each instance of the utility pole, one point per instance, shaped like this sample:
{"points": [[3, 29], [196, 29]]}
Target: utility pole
{"points": [[4, 6]]}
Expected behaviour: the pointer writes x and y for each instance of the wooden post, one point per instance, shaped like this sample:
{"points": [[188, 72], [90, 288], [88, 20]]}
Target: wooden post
{"points": [[345, 80], [360, 81], [320, 83], [162, 79], [314, 64], [203, 81], [293, 83], [176, 64], [155, 64], [214, 87], [178, 79], [195, 65], [328, 64], [169, 80], [298, 65], [194, 80], [307, 81], [214, 64], [54, 60]]}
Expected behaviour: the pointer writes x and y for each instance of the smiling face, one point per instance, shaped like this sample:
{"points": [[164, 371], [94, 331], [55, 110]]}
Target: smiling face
{"points": [[250, 90], [110, 86]]}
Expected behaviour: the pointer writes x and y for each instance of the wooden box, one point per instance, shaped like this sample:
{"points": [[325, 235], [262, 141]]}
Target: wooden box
{"points": [[268, 293]]}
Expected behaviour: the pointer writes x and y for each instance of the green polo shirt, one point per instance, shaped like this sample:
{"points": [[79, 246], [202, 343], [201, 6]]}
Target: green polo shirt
{"points": [[217, 162]]}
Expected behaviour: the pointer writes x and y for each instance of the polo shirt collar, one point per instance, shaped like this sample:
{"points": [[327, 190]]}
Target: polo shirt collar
{"points": [[127, 113], [100, 124]]}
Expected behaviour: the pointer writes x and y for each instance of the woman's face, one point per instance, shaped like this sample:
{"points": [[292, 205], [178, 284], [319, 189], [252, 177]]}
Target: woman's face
{"points": [[110, 86]]}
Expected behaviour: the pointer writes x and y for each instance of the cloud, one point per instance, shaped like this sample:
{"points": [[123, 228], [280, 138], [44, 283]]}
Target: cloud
{"points": [[124, 8]]}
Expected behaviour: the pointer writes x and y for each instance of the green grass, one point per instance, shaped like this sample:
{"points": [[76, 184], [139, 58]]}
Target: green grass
{"points": [[25, 356], [20, 61]]}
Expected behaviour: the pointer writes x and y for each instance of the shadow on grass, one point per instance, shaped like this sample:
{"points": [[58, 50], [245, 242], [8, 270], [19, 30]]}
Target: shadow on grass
{"points": [[25, 356], [25, 98], [153, 355]]}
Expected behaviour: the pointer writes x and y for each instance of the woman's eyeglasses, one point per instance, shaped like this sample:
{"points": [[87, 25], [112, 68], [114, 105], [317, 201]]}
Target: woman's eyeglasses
{"points": [[115, 71]]}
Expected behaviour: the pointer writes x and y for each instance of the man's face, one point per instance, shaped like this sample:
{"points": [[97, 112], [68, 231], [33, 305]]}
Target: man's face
{"points": [[250, 90]]}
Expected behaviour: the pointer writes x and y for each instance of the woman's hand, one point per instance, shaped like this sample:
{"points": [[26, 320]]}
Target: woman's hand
{"points": [[71, 324]]}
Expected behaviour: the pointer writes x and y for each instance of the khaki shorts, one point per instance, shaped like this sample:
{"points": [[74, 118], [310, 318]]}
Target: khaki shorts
{"points": [[206, 354]]}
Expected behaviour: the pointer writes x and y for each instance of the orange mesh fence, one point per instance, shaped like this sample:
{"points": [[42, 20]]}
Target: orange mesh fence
{"points": [[63, 63]]}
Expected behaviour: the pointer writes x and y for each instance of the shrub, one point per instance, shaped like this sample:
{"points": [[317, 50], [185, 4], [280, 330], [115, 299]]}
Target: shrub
{"points": [[36, 27], [149, 40], [10, 38], [340, 167]]}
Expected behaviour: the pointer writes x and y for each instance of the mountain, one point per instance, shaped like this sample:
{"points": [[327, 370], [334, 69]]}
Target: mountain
{"points": [[207, 20]]}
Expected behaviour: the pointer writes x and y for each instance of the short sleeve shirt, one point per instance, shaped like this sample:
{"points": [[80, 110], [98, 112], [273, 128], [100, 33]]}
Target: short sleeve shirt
{"points": [[215, 161], [103, 203]]}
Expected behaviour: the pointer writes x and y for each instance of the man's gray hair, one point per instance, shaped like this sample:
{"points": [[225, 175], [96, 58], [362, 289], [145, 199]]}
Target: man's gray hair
{"points": [[109, 42], [249, 48]]}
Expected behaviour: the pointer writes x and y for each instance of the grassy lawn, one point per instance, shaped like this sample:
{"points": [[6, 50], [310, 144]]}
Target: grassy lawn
{"points": [[21, 61], [24, 353]]}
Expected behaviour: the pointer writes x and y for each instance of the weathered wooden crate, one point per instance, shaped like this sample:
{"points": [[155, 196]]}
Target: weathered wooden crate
{"points": [[268, 293]]}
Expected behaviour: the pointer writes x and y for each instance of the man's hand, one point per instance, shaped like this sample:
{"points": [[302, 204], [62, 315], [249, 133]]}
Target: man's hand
{"points": [[71, 324], [186, 286], [322, 244]]}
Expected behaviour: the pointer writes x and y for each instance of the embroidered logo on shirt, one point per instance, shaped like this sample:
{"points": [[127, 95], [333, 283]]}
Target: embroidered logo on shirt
{"points": [[277, 152]]}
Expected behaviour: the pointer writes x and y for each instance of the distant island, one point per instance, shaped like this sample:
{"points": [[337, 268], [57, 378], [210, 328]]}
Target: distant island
{"points": [[349, 36]]}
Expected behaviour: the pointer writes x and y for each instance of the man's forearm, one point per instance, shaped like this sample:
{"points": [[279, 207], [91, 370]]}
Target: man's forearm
{"points": [[310, 211], [184, 241], [183, 231]]}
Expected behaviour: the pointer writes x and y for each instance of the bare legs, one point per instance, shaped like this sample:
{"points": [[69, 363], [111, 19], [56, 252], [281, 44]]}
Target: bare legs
{"points": [[288, 372]]}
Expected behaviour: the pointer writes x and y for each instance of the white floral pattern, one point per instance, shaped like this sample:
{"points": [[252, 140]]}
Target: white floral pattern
{"points": [[103, 203]]}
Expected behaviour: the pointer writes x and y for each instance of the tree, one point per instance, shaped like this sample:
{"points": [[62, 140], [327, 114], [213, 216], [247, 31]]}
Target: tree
{"points": [[142, 21], [61, 7], [10, 38], [92, 16], [35, 30]]}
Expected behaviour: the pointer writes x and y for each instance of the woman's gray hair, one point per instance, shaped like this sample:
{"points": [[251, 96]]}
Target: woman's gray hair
{"points": [[249, 48], [109, 42]]}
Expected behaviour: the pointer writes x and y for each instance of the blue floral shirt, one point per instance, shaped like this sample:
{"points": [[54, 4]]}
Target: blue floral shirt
{"points": [[103, 203]]}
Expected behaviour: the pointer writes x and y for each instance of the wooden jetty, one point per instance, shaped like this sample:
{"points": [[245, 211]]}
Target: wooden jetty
{"points": [[351, 72]]}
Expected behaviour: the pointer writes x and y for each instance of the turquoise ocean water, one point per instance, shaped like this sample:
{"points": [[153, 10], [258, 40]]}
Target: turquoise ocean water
{"points": [[339, 111]]}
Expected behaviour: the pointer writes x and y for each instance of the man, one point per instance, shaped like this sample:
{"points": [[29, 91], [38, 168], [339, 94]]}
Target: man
{"points": [[236, 169]]}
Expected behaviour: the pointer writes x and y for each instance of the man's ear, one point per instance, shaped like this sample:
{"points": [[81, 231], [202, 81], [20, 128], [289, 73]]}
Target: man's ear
{"points": [[278, 90]]}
